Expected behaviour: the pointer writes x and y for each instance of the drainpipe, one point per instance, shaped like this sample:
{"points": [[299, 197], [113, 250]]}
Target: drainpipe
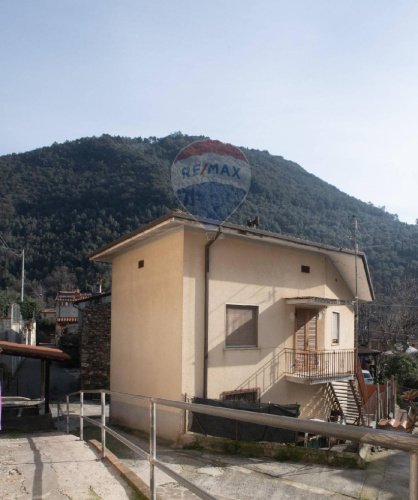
{"points": [[206, 325]]}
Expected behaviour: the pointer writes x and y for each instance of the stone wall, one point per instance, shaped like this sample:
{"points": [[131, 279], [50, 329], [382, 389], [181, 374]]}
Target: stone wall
{"points": [[94, 328]]}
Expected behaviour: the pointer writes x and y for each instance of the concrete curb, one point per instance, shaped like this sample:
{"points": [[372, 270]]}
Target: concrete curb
{"points": [[278, 451], [134, 481]]}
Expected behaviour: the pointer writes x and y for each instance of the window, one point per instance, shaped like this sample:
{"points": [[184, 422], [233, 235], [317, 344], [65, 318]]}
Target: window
{"points": [[335, 328], [241, 326], [251, 395]]}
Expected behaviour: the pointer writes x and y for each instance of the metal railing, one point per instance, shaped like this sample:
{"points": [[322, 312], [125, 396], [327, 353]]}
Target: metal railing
{"points": [[319, 365], [363, 435]]}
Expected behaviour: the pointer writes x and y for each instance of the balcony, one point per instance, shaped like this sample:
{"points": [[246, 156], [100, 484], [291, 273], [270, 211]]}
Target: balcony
{"points": [[319, 367]]}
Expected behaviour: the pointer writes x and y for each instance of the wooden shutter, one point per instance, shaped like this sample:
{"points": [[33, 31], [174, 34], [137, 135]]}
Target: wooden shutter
{"points": [[306, 329], [300, 330], [311, 330]]}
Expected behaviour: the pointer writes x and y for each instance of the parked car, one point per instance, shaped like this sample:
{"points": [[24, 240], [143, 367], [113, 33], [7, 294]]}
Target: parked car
{"points": [[367, 377]]}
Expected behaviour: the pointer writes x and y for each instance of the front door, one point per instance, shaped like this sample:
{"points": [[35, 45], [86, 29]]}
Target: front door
{"points": [[306, 322]]}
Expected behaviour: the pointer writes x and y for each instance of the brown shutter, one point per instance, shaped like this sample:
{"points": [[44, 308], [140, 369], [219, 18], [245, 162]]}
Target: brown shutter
{"points": [[306, 329], [311, 329], [241, 326], [300, 330]]}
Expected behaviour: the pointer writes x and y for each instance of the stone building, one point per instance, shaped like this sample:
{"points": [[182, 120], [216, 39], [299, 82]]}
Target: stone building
{"points": [[94, 332]]}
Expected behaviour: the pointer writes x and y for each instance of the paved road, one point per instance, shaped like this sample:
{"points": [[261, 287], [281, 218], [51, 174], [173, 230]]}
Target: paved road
{"points": [[235, 477], [55, 466]]}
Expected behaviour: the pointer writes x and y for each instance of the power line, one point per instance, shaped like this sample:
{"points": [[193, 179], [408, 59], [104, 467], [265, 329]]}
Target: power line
{"points": [[391, 305], [6, 247]]}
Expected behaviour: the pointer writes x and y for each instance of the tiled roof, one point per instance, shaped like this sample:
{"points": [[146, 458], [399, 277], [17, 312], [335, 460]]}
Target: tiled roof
{"points": [[71, 295], [67, 319]]}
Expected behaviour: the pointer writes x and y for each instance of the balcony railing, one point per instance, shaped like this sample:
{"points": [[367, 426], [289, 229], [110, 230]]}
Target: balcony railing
{"points": [[319, 366]]}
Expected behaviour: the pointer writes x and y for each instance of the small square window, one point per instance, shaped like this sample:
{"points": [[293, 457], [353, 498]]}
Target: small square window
{"points": [[335, 328], [241, 326], [305, 269]]}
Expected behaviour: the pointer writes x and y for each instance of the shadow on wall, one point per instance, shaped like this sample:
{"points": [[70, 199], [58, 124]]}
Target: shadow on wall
{"points": [[267, 375], [319, 405]]}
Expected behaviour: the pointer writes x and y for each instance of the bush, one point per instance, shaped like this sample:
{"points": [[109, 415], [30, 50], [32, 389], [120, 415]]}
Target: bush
{"points": [[405, 368]]}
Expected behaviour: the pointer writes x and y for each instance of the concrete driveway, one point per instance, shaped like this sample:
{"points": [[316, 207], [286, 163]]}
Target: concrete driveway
{"points": [[55, 466], [243, 478]]}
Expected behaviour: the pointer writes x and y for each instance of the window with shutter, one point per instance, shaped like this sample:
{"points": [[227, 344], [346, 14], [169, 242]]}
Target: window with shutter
{"points": [[241, 326]]}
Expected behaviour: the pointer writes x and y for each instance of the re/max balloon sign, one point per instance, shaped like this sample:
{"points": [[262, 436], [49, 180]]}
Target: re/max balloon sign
{"points": [[211, 179]]}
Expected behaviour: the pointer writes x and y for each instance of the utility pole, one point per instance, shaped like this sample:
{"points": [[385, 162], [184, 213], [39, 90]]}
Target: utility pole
{"points": [[356, 304], [4, 245], [22, 289]]}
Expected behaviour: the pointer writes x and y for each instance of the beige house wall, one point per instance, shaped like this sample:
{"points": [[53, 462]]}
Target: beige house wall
{"points": [[146, 345], [245, 272]]}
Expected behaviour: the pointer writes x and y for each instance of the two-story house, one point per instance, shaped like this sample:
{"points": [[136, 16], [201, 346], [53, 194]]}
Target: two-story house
{"points": [[205, 310]]}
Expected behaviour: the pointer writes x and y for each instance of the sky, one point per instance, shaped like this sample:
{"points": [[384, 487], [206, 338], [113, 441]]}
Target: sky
{"points": [[330, 85]]}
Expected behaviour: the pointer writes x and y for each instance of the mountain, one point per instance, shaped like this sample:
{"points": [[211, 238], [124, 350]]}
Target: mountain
{"points": [[64, 201]]}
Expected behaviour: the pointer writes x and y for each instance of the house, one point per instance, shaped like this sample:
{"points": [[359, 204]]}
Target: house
{"points": [[14, 328], [11, 324], [48, 314], [205, 310], [65, 312]]}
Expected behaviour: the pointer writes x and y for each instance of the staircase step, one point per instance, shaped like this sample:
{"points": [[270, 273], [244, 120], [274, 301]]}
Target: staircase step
{"points": [[346, 397]]}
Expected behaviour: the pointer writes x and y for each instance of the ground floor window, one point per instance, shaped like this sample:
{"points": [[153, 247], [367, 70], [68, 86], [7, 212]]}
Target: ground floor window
{"points": [[250, 395]]}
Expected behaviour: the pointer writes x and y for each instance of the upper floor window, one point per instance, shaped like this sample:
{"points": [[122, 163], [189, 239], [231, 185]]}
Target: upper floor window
{"points": [[241, 326], [335, 328]]}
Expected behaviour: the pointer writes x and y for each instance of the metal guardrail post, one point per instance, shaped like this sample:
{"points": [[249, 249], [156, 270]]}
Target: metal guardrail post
{"points": [[413, 476], [81, 415], [103, 421], [67, 418], [152, 450]]}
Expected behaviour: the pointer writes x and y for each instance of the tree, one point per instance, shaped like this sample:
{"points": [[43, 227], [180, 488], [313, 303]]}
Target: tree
{"points": [[404, 367], [61, 278], [5, 302], [29, 308], [394, 318]]}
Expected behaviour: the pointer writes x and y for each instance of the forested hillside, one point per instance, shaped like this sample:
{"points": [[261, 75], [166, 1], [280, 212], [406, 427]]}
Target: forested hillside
{"points": [[62, 202]]}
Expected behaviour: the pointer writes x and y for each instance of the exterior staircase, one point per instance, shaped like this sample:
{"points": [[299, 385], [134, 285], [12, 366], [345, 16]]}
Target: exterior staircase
{"points": [[347, 400]]}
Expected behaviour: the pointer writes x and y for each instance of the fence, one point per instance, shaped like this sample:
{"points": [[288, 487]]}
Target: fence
{"points": [[233, 429], [386, 439]]}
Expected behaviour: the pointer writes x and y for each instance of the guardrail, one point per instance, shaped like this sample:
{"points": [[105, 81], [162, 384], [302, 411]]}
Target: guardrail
{"points": [[364, 435], [319, 365]]}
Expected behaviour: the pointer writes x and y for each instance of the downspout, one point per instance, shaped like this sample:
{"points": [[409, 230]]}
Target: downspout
{"points": [[206, 325]]}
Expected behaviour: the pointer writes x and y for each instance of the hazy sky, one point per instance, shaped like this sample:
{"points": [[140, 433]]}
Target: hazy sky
{"points": [[332, 85]]}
